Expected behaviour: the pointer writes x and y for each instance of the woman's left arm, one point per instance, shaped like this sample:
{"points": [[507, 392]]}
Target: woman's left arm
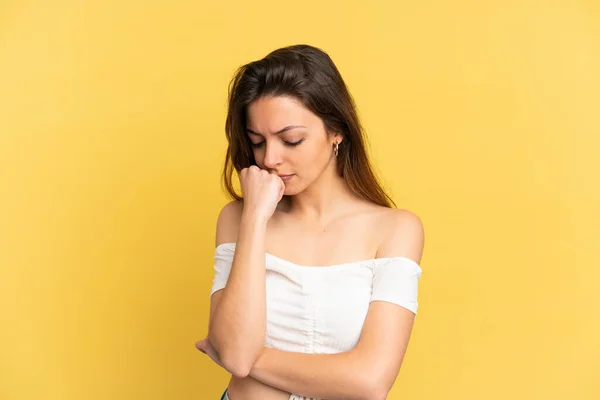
{"points": [[366, 372]]}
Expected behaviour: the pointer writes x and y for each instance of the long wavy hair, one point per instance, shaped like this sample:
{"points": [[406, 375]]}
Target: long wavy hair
{"points": [[307, 74]]}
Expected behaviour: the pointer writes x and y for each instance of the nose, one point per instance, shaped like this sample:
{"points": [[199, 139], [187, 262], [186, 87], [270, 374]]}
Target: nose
{"points": [[272, 156]]}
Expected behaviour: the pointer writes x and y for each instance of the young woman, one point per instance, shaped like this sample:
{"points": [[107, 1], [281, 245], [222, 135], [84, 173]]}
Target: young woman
{"points": [[316, 274]]}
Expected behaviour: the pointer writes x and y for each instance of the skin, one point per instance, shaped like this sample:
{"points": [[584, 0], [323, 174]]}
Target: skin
{"points": [[314, 210]]}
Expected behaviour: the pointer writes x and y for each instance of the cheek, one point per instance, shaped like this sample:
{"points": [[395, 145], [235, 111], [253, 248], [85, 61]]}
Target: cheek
{"points": [[322, 153], [315, 159]]}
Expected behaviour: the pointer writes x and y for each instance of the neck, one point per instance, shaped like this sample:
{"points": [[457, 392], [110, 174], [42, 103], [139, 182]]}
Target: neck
{"points": [[321, 200]]}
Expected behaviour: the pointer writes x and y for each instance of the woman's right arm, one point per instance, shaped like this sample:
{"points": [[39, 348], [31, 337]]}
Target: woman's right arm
{"points": [[237, 324]]}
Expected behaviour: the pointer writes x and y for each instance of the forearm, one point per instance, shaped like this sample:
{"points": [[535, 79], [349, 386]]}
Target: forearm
{"points": [[325, 376], [238, 329]]}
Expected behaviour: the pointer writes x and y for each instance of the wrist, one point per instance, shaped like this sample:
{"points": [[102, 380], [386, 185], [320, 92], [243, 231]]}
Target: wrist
{"points": [[254, 219]]}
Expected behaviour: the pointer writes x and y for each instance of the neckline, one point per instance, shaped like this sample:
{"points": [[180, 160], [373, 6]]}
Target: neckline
{"points": [[367, 261]]}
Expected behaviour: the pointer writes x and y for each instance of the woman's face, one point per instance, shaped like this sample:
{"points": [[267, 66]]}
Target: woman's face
{"points": [[289, 140]]}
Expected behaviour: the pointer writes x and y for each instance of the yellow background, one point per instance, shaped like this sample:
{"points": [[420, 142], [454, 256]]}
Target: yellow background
{"points": [[483, 120]]}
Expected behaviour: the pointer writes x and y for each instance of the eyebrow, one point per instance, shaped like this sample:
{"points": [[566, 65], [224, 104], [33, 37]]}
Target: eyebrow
{"points": [[287, 128]]}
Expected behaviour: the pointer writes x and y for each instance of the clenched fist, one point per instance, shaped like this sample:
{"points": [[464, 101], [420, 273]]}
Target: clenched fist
{"points": [[261, 190]]}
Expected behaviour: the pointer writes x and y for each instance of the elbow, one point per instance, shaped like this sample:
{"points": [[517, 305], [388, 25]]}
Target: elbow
{"points": [[373, 387], [237, 359], [379, 394], [374, 392], [237, 366], [236, 369]]}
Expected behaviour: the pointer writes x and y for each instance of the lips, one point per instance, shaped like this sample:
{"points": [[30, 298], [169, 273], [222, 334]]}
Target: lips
{"points": [[286, 178]]}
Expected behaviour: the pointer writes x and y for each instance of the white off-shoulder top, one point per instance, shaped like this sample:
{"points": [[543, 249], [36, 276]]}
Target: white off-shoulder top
{"points": [[322, 309]]}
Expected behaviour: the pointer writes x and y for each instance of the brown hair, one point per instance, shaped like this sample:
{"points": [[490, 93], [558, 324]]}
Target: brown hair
{"points": [[309, 75]]}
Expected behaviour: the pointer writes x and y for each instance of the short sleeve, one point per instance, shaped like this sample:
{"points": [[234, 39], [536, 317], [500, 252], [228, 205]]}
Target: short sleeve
{"points": [[395, 280], [223, 261]]}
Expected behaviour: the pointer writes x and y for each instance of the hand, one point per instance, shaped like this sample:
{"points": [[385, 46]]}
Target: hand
{"points": [[261, 190], [207, 348]]}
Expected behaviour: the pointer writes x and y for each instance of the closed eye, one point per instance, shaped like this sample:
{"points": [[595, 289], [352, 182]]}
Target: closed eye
{"points": [[289, 144], [293, 144]]}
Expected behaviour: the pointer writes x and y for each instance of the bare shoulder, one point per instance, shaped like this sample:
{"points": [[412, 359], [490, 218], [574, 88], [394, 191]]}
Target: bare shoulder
{"points": [[404, 235], [228, 222]]}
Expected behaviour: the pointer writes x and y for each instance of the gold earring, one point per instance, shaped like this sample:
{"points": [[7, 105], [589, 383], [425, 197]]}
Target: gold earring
{"points": [[336, 149]]}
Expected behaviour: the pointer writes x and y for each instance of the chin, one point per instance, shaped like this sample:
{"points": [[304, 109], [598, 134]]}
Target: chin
{"points": [[292, 190]]}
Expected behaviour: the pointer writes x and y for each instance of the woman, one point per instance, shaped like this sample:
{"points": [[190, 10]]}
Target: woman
{"points": [[315, 289]]}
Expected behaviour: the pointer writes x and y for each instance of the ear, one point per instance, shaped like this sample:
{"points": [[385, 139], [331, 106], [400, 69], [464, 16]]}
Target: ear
{"points": [[336, 137]]}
